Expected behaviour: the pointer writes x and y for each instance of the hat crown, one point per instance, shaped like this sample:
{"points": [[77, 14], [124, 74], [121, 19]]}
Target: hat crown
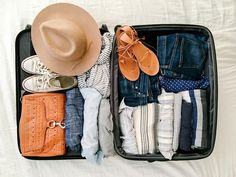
{"points": [[63, 39], [66, 38]]}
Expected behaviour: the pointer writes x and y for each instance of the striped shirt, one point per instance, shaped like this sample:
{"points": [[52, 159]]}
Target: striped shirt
{"points": [[144, 124], [199, 116], [177, 120], [165, 124], [98, 76]]}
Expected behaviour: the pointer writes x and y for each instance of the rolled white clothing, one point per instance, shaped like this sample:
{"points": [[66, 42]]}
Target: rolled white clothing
{"points": [[165, 128], [152, 122], [144, 123], [177, 120], [129, 143]]}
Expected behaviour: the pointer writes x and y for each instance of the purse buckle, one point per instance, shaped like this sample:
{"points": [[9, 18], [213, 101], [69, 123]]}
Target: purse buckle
{"points": [[53, 124]]}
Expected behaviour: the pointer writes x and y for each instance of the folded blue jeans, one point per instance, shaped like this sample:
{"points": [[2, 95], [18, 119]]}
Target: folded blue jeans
{"points": [[74, 119], [182, 55], [140, 92]]}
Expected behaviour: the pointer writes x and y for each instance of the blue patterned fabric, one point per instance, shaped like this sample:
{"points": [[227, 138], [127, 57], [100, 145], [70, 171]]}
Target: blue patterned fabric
{"points": [[74, 119], [178, 85]]}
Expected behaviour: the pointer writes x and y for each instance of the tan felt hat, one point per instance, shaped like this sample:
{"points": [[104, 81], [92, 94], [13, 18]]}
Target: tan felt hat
{"points": [[66, 38]]}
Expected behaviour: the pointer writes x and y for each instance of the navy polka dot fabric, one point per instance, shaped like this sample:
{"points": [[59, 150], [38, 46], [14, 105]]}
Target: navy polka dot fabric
{"points": [[178, 85]]}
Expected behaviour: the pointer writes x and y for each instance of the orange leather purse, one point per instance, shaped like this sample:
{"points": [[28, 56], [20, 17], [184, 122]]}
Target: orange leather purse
{"points": [[41, 125]]}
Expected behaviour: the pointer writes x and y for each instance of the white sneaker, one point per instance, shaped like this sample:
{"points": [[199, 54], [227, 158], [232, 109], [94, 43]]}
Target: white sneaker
{"points": [[48, 83], [33, 65]]}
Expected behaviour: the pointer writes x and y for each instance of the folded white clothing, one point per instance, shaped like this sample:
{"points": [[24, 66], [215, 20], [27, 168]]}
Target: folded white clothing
{"points": [[105, 128], [144, 121], [177, 120], [165, 128], [129, 143]]}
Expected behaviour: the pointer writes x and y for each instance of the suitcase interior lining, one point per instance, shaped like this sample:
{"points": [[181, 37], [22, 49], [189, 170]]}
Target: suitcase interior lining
{"points": [[150, 32]]}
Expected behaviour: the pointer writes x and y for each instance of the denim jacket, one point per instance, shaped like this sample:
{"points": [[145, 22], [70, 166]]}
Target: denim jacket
{"points": [[140, 92]]}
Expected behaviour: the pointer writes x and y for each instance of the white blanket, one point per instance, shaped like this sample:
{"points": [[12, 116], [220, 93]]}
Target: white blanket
{"points": [[218, 15]]}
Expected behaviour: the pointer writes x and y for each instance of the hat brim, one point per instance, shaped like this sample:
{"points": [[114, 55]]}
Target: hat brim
{"points": [[87, 24]]}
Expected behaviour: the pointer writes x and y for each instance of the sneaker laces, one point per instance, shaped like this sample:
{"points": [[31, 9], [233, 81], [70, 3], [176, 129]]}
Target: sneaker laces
{"points": [[41, 68], [43, 81]]}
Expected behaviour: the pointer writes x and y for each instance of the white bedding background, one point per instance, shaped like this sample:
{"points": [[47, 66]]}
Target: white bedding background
{"points": [[218, 15]]}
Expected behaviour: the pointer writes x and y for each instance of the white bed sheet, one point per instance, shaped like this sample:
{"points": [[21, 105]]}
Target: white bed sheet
{"points": [[218, 15]]}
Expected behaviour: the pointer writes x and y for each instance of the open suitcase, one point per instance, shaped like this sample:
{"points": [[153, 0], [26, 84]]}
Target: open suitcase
{"points": [[25, 49]]}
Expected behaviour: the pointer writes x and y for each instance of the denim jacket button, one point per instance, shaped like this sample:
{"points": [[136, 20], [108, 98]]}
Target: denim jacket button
{"points": [[136, 87]]}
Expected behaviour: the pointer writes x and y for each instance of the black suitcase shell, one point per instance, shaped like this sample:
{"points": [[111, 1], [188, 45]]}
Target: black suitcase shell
{"points": [[24, 49]]}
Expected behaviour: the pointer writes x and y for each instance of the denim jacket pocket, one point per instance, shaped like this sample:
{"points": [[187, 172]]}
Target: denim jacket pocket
{"points": [[192, 54]]}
